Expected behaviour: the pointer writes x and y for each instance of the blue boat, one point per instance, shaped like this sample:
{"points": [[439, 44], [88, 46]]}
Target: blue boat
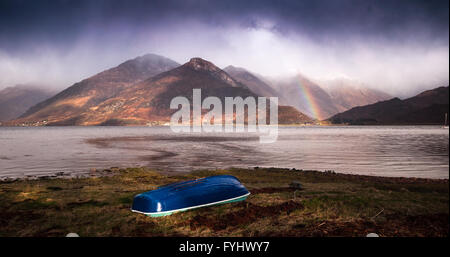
{"points": [[187, 195]]}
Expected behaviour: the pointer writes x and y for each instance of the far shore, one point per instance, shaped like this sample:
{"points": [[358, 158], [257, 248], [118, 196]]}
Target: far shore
{"points": [[318, 124], [327, 204]]}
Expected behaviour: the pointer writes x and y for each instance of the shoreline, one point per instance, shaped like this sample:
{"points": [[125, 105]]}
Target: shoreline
{"points": [[112, 171], [330, 204], [280, 125]]}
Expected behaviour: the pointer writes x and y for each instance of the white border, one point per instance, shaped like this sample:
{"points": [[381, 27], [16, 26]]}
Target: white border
{"points": [[193, 207]]}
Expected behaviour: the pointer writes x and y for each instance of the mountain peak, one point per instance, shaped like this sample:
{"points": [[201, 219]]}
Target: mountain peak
{"points": [[201, 64], [148, 62], [152, 58]]}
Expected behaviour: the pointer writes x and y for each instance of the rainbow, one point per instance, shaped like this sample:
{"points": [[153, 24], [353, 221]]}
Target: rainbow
{"points": [[313, 108]]}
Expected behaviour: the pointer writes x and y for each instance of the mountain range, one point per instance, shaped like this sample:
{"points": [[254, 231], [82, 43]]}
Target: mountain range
{"points": [[323, 99], [428, 107], [139, 91]]}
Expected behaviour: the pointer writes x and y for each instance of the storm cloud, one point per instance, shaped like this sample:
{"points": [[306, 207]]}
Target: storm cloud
{"points": [[400, 47]]}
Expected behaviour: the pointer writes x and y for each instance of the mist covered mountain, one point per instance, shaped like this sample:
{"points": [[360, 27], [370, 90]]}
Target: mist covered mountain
{"points": [[14, 101], [323, 99], [254, 83], [346, 93], [87, 94], [305, 95]]}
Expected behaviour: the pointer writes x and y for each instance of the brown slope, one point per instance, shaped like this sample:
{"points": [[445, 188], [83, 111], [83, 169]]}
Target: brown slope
{"points": [[14, 101], [150, 100], [290, 115], [429, 107], [69, 104]]}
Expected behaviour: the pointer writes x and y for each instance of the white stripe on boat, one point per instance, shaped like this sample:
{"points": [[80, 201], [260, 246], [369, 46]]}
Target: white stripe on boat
{"points": [[193, 207]]}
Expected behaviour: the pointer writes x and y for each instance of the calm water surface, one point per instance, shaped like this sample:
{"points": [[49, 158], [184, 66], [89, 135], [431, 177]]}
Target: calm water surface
{"points": [[385, 151]]}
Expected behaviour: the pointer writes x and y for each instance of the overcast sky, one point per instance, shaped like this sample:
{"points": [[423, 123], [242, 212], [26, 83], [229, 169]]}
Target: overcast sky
{"points": [[399, 46]]}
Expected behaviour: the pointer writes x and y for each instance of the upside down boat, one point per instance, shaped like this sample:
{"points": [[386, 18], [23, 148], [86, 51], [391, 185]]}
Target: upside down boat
{"points": [[186, 195]]}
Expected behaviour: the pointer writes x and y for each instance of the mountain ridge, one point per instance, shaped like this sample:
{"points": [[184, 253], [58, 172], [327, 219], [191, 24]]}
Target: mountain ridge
{"points": [[251, 81], [93, 90], [146, 100], [428, 107], [111, 81]]}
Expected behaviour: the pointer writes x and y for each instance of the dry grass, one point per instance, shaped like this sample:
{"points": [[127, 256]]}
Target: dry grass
{"points": [[330, 205]]}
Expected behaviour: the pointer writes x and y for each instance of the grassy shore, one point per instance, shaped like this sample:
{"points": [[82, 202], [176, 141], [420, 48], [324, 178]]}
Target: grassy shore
{"points": [[329, 205]]}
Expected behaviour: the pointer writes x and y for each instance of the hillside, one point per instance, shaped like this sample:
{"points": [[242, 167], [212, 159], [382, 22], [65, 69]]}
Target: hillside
{"points": [[14, 101], [428, 107], [82, 96]]}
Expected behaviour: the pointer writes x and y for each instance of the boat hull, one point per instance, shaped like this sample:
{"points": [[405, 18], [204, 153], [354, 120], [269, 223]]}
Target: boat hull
{"points": [[189, 195]]}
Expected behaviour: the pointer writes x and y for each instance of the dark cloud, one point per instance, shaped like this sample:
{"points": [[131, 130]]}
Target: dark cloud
{"points": [[60, 32], [64, 20]]}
